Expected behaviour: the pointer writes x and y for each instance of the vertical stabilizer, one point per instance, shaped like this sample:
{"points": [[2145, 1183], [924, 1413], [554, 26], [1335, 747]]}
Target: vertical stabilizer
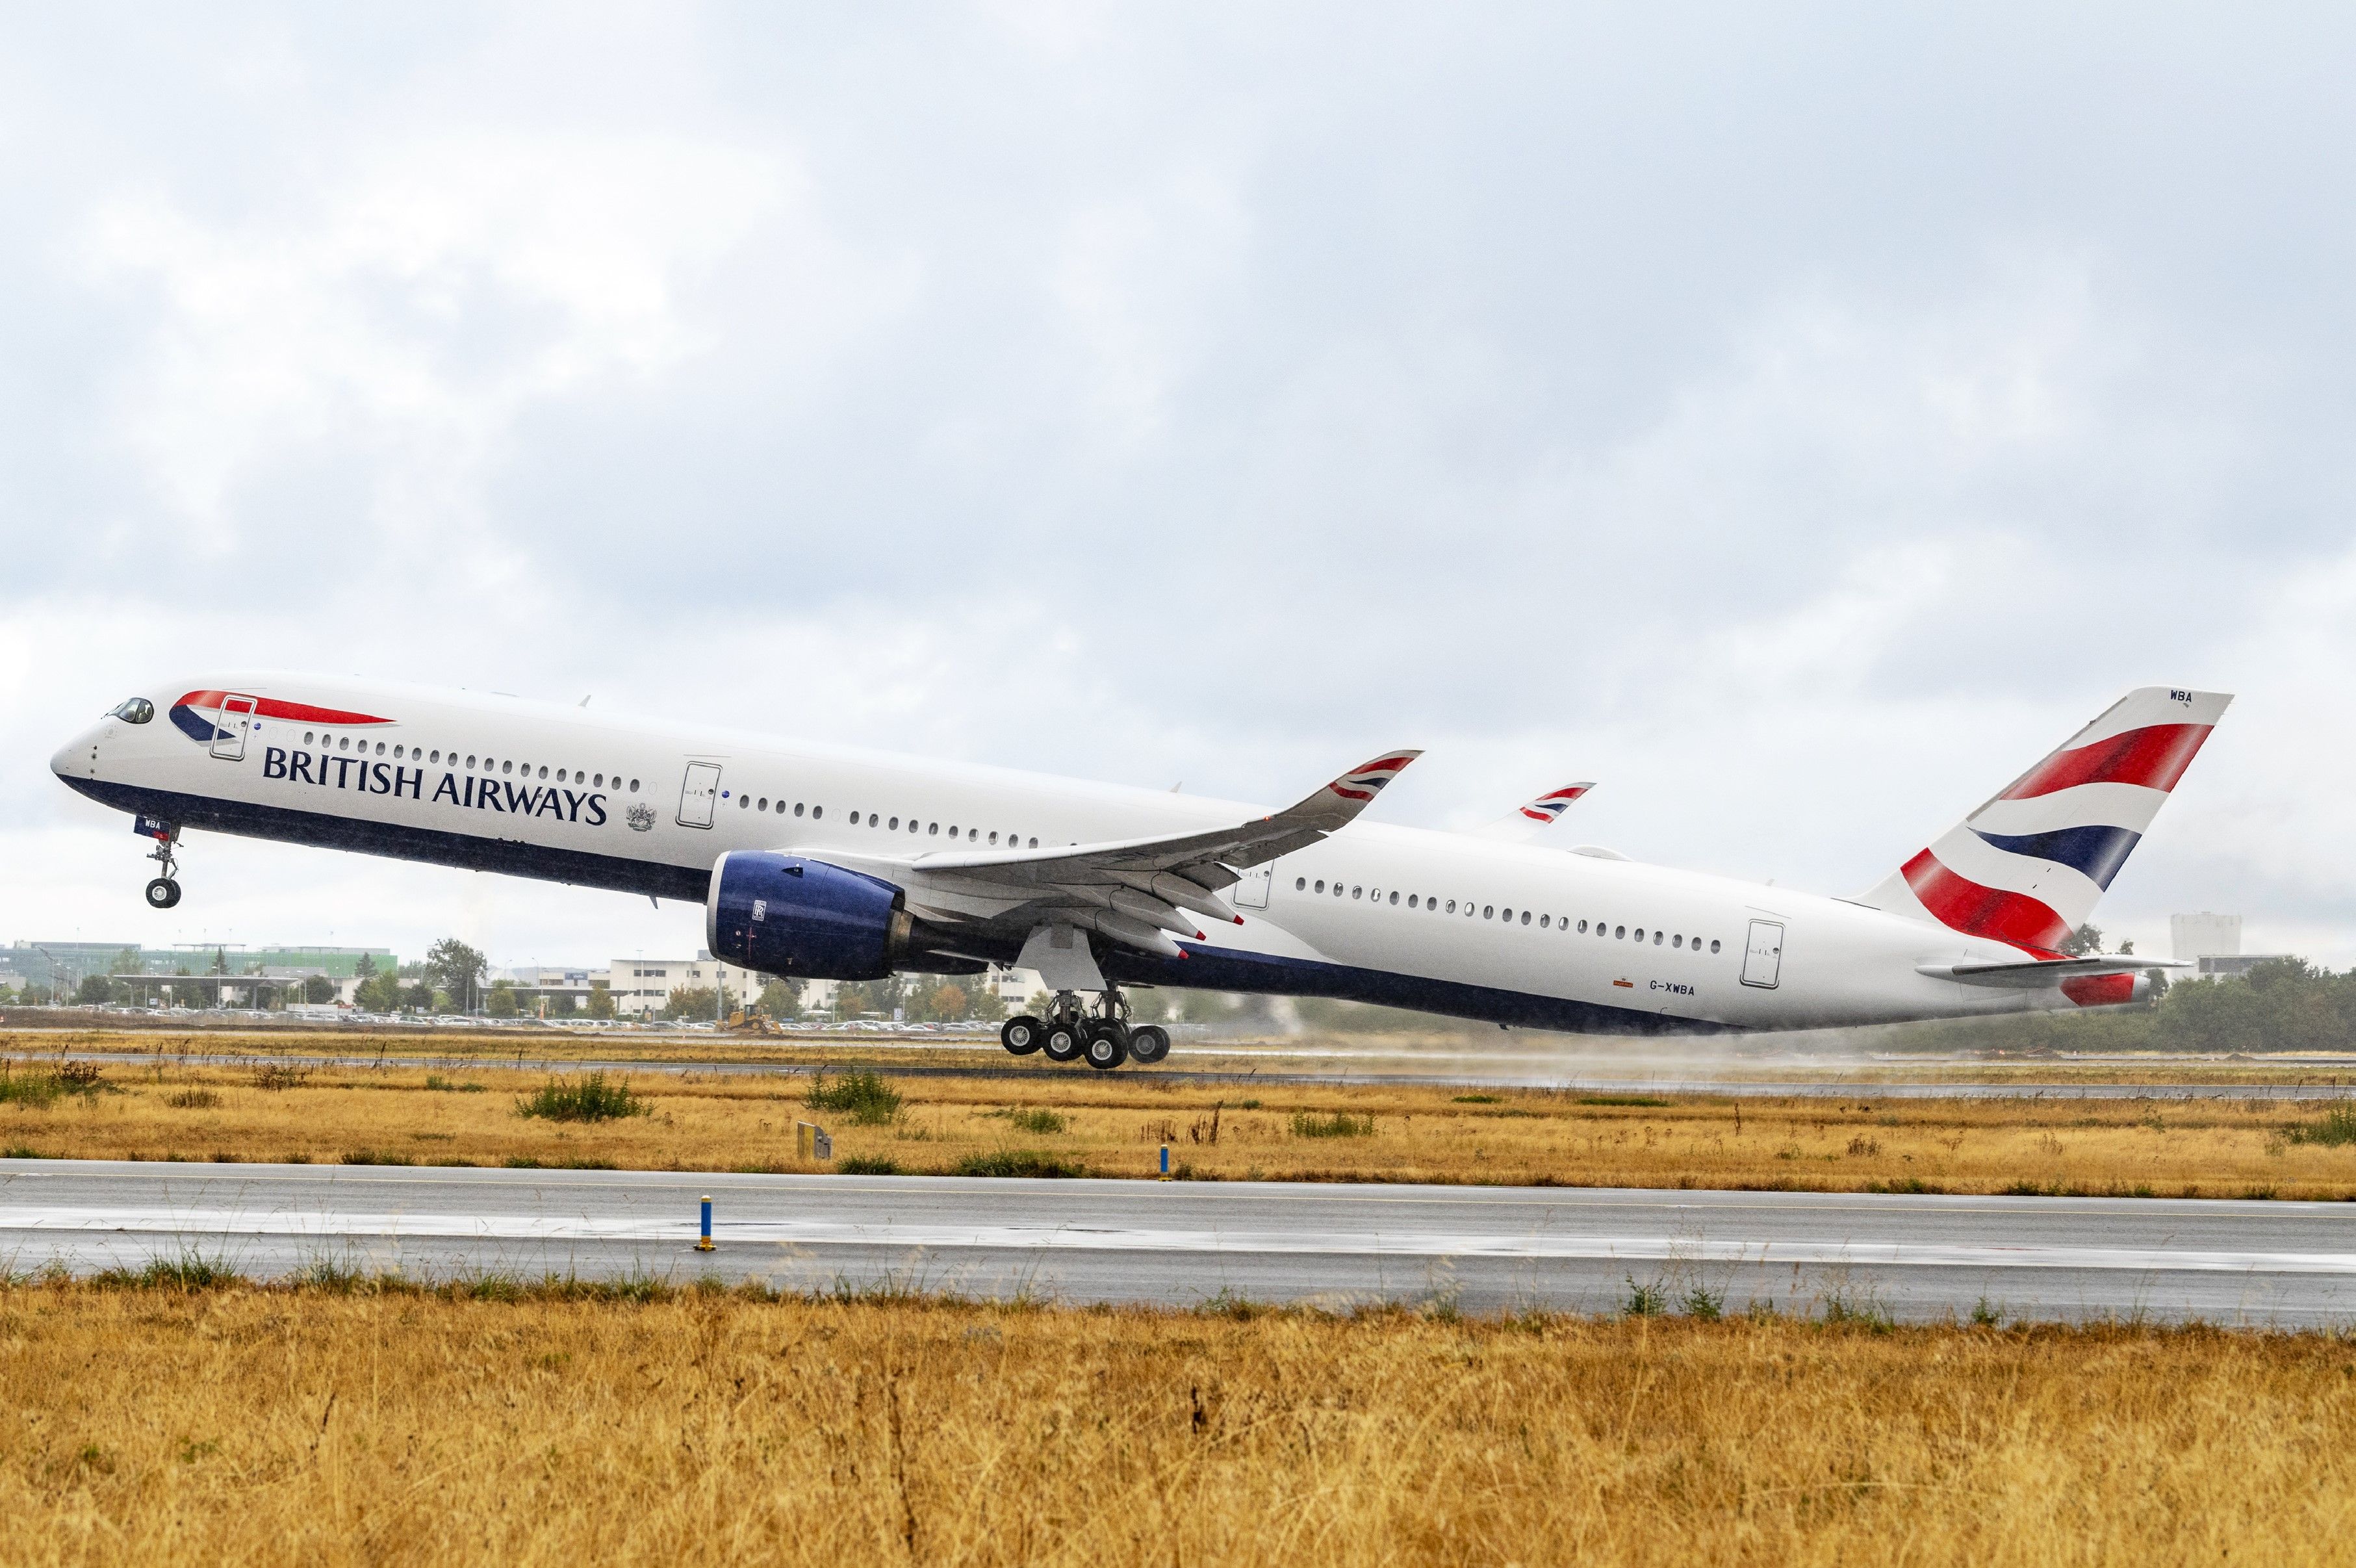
{"points": [[2028, 866]]}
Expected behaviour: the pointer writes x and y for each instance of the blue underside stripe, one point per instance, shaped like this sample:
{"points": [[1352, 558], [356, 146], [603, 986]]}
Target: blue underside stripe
{"points": [[2097, 852], [1205, 968]]}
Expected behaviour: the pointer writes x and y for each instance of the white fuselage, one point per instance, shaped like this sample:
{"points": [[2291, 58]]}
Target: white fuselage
{"points": [[1445, 921]]}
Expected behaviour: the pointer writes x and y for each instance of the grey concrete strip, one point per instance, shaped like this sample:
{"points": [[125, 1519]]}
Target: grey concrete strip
{"points": [[1180, 1244]]}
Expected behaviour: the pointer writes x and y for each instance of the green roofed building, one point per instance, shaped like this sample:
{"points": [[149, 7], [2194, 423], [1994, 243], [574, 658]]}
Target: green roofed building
{"points": [[52, 963]]}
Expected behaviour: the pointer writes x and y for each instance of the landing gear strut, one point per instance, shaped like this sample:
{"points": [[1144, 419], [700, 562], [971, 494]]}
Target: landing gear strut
{"points": [[1071, 1031], [164, 890]]}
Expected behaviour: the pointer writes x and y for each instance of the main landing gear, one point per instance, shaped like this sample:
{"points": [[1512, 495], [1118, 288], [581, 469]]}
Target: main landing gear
{"points": [[1070, 1031], [164, 890]]}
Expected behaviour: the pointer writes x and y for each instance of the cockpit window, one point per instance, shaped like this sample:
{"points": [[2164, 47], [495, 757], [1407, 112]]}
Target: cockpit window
{"points": [[137, 711]]}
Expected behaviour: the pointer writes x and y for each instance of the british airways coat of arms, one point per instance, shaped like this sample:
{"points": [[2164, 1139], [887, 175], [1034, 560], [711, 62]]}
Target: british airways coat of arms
{"points": [[641, 818]]}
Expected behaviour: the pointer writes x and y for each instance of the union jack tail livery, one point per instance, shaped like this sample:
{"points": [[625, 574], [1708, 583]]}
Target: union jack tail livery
{"points": [[1364, 782], [2028, 866], [1526, 821]]}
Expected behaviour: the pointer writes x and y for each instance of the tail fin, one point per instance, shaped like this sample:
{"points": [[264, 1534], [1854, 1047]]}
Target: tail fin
{"points": [[1526, 821], [2027, 867]]}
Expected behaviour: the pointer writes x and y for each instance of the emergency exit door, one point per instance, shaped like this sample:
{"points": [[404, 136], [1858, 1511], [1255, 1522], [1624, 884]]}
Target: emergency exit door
{"points": [[698, 794], [230, 727], [1762, 956]]}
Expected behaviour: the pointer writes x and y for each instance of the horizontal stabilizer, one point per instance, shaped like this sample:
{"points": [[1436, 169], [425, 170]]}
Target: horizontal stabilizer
{"points": [[2029, 975]]}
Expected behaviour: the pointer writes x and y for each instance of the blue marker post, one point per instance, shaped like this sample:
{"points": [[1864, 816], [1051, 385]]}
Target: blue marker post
{"points": [[704, 1245], [1166, 1162]]}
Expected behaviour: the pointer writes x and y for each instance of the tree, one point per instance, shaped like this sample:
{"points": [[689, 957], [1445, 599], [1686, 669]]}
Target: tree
{"points": [[126, 962], [318, 988], [692, 1002], [501, 1002], [377, 994], [2086, 939], [458, 969], [601, 999], [95, 990], [417, 997], [781, 999], [365, 969]]}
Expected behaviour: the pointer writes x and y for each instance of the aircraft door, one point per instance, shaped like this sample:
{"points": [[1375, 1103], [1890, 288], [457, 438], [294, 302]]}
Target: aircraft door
{"points": [[1762, 956], [1251, 892], [699, 792], [230, 727]]}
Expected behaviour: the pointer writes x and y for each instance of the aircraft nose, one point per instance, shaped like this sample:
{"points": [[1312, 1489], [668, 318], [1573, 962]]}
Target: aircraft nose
{"points": [[72, 759]]}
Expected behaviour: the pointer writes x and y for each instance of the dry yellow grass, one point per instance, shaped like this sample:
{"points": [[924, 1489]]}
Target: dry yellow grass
{"points": [[1114, 1126], [276, 1426]]}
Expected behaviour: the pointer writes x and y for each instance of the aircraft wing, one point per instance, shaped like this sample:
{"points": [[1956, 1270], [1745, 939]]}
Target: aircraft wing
{"points": [[1136, 891], [2031, 973]]}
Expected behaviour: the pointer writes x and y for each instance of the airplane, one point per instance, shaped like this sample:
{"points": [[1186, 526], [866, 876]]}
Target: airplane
{"points": [[826, 862]]}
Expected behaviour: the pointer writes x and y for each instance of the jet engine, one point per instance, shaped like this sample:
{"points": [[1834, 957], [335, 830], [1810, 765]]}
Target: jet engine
{"points": [[781, 914]]}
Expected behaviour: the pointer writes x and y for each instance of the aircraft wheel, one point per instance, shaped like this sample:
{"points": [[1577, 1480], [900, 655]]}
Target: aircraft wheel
{"points": [[1107, 1047], [163, 893], [1021, 1036], [1062, 1042], [1149, 1043]]}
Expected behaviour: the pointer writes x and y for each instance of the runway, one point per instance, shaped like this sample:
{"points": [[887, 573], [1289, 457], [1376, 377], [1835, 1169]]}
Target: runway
{"points": [[1486, 1250]]}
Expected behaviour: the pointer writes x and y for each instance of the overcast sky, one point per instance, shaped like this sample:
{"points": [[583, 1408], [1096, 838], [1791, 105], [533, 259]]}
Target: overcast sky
{"points": [[1798, 420]]}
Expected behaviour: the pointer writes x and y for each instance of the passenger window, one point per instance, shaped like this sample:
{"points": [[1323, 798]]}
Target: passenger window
{"points": [[1358, 892], [1657, 938], [765, 803], [380, 751], [436, 756], [1394, 897], [1509, 917], [1640, 933], [470, 762], [1034, 844], [1620, 933], [1583, 927], [1320, 884], [952, 830], [1410, 901], [1299, 883], [1489, 911], [797, 807], [933, 829], [1337, 890], [743, 802], [1526, 916], [896, 824], [1713, 944], [1677, 941], [816, 811], [543, 772], [508, 767]]}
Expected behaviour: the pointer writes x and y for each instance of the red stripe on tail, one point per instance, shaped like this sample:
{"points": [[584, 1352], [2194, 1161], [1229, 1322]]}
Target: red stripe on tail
{"points": [[1962, 904], [2155, 756]]}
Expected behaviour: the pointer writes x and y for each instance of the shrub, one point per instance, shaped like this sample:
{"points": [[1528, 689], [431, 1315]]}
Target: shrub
{"points": [[865, 1164], [440, 1085], [864, 1097], [193, 1099], [591, 1097], [1341, 1124], [1016, 1163], [1475, 1100], [376, 1157], [2336, 1128], [1633, 1099], [1040, 1120], [188, 1271], [1647, 1300]]}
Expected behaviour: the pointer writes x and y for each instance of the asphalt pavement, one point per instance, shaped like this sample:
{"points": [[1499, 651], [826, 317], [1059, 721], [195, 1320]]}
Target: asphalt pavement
{"points": [[1485, 1249]]}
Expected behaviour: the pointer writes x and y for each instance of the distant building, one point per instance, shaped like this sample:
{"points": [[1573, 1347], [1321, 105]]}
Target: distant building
{"points": [[644, 986], [48, 963], [2214, 943], [2205, 935]]}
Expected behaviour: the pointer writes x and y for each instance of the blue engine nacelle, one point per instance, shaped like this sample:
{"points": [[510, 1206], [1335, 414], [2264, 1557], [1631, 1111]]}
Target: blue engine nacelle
{"points": [[781, 914]]}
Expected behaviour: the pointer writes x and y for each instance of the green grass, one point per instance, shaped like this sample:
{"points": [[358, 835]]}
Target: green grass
{"points": [[42, 1087], [1641, 1101], [1039, 1120], [864, 1097], [1341, 1124], [2336, 1128], [193, 1099], [376, 1157], [1475, 1100], [188, 1271], [1016, 1163], [440, 1085], [864, 1164], [591, 1097]]}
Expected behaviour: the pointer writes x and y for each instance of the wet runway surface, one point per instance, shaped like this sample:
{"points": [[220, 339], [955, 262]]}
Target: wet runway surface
{"points": [[1487, 1250]]}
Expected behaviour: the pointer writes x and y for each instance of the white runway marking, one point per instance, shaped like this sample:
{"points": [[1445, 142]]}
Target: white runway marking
{"points": [[395, 1224]]}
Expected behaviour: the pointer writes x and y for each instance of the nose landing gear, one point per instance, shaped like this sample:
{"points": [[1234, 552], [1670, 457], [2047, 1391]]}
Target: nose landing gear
{"points": [[164, 890]]}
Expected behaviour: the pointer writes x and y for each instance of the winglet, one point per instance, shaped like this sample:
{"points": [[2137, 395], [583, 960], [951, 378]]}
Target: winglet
{"points": [[1364, 782], [1526, 821]]}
